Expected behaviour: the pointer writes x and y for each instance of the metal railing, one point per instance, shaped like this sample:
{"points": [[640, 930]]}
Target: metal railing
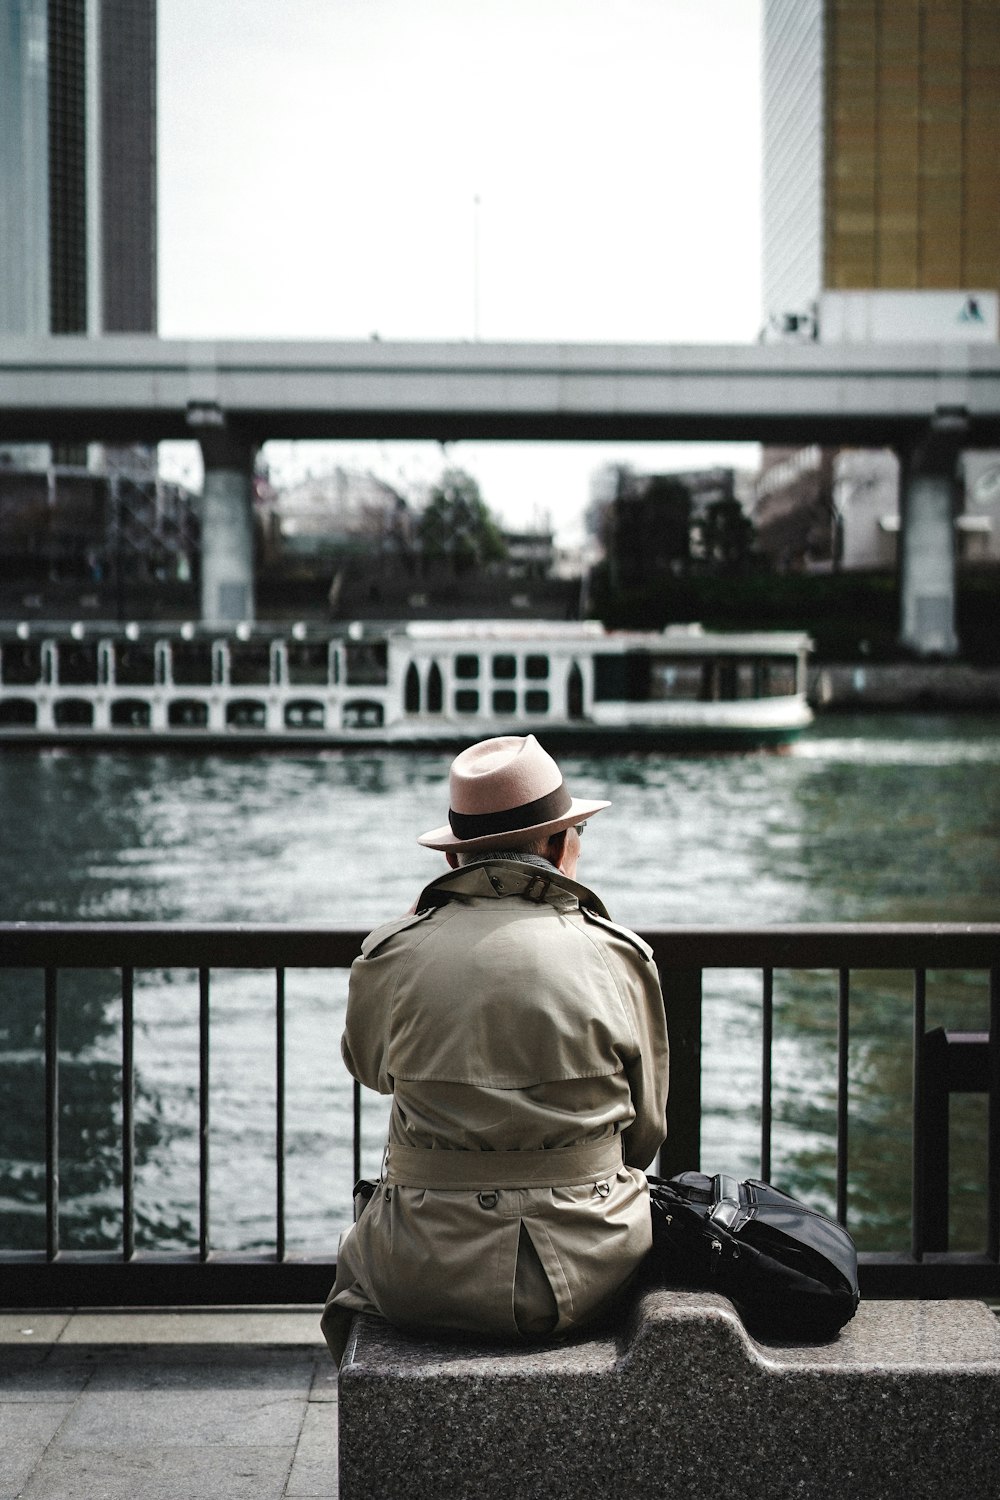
{"points": [[128, 1276]]}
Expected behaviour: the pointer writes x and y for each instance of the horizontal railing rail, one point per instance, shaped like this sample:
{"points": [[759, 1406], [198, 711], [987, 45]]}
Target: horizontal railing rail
{"points": [[56, 1276]]}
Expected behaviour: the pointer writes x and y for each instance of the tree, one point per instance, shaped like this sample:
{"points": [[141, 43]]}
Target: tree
{"points": [[457, 527]]}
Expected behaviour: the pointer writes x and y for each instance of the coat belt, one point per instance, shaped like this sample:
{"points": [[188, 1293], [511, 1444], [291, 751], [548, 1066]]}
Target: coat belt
{"points": [[563, 1166]]}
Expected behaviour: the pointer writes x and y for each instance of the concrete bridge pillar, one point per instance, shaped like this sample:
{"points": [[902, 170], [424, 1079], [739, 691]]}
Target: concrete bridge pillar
{"points": [[927, 506], [227, 561]]}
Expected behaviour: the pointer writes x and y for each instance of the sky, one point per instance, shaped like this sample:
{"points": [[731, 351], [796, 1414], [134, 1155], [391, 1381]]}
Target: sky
{"points": [[529, 170]]}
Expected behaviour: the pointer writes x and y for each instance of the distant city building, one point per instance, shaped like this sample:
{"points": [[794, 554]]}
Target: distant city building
{"points": [[881, 152], [78, 166], [881, 137], [77, 172]]}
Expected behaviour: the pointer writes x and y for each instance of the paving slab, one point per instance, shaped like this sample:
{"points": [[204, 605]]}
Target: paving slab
{"points": [[211, 1326], [151, 1473], [214, 1404]]}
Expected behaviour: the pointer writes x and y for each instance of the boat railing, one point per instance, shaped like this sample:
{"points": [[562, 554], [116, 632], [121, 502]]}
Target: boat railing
{"points": [[939, 1063]]}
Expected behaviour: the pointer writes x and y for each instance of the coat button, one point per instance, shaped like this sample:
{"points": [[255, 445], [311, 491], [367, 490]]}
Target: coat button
{"points": [[488, 1200], [604, 1189]]}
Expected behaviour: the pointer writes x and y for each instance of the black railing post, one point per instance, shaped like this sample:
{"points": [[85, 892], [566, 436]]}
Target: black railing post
{"points": [[919, 1105], [766, 1072], [279, 1106], [51, 1114], [993, 1123], [128, 1113], [356, 1143], [843, 1056], [682, 996], [204, 1237]]}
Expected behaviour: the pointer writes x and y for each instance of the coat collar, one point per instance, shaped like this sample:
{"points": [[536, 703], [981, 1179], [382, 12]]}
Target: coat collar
{"points": [[488, 879]]}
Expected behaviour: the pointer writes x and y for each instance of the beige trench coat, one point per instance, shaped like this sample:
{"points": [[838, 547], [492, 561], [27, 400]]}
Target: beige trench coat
{"points": [[523, 1038]]}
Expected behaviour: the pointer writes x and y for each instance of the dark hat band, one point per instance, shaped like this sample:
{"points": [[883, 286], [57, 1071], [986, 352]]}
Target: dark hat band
{"points": [[512, 819]]}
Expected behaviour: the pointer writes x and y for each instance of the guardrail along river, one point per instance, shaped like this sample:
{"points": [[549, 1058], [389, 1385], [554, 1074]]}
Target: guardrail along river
{"points": [[867, 819]]}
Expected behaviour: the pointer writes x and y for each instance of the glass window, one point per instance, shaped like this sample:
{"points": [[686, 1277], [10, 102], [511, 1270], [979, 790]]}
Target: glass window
{"points": [[466, 666], [21, 662], [467, 701], [77, 662], [134, 664], [367, 663], [536, 701], [411, 689], [435, 690], [75, 711], [505, 667], [536, 667], [246, 713], [191, 663], [308, 663], [130, 713], [362, 713], [504, 701], [304, 713], [249, 664], [18, 711], [187, 713]]}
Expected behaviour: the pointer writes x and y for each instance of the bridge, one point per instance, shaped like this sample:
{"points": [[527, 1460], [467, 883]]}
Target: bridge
{"points": [[927, 401]]}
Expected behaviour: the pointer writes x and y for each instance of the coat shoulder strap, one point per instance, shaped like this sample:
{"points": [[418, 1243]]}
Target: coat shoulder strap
{"points": [[374, 941], [622, 932]]}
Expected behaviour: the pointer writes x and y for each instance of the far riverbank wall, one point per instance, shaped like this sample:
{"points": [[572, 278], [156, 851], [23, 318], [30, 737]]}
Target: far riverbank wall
{"points": [[910, 685]]}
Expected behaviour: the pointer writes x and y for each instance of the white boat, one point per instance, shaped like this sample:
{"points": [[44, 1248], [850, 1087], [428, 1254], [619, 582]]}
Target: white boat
{"points": [[419, 683]]}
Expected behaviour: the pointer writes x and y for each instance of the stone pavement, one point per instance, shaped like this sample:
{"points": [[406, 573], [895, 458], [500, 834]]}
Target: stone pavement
{"points": [[167, 1405]]}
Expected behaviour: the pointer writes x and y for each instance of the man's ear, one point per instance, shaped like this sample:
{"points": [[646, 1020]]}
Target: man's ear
{"points": [[452, 858], [557, 847]]}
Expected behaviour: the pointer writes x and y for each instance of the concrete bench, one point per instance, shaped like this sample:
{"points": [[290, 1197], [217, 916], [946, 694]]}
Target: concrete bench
{"points": [[905, 1403]]}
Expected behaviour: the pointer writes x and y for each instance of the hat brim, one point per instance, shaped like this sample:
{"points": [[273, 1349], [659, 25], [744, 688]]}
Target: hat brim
{"points": [[444, 838]]}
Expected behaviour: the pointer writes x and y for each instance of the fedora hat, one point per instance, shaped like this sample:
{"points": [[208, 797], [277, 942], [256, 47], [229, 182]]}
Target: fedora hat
{"points": [[506, 791]]}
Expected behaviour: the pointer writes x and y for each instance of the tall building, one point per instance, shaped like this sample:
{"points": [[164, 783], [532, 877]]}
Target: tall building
{"points": [[881, 148], [77, 166], [881, 183]]}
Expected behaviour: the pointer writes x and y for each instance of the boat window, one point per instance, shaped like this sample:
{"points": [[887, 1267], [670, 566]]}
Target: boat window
{"points": [[466, 666], [130, 713], [305, 713], [504, 701], [246, 713], [536, 701], [191, 663], [367, 663], [504, 667], [187, 713], [435, 690], [21, 663], [727, 679], [135, 664], [675, 679], [308, 663], [536, 667], [249, 663], [411, 689], [73, 711], [574, 692], [467, 701], [362, 713], [626, 678], [780, 676], [78, 662], [18, 711]]}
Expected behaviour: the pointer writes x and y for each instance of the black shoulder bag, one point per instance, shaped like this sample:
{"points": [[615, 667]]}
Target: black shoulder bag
{"points": [[792, 1272]]}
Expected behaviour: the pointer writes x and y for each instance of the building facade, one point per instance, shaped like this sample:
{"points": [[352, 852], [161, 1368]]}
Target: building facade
{"points": [[78, 166], [881, 135], [881, 149]]}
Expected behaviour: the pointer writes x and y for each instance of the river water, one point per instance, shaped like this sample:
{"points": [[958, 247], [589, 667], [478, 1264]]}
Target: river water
{"points": [[875, 818]]}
